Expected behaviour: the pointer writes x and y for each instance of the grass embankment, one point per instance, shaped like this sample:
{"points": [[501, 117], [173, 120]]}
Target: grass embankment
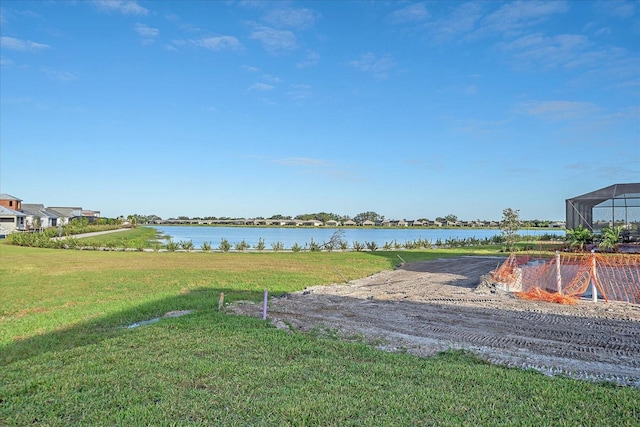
{"points": [[68, 358]]}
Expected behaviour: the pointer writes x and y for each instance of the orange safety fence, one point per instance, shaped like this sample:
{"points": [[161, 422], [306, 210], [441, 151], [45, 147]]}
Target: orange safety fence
{"points": [[567, 277]]}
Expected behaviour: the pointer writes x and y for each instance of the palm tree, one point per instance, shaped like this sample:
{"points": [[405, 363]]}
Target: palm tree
{"points": [[579, 237], [611, 238]]}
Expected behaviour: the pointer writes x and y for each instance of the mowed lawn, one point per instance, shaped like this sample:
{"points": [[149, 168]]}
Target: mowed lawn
{"points": [[67, 356]]}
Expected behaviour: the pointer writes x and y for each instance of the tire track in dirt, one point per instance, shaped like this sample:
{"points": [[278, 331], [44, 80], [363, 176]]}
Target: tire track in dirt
{"points": [[428, 307]]}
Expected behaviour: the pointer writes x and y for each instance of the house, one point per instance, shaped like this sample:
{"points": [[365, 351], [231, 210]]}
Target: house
{"points": [[65, 214], [332, 223], [349, 223], [11, 202], [11, 217], [368, 223], [39, 217], [10, 221], [312, 223]]}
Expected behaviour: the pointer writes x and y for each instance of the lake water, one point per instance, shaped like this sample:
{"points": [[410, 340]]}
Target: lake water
{"points": [[302, 236]]}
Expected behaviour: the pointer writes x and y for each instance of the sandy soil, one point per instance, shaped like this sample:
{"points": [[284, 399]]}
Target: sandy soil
{"points": [[427, 307]]}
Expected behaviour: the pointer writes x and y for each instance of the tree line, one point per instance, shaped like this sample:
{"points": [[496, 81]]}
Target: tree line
{"points": [[329, 216]]}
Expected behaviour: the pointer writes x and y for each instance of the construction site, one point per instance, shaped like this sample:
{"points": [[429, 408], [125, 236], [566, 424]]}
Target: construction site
{"points": [[562, 313]]}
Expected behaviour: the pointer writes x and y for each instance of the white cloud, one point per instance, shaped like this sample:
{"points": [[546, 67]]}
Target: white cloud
{"points": [[219, 43], [299, 92], [5, 62], [370, 63], [411, 14], [618, 8], [125, 7], [22, 45], [462, 20], [301, 161], [63, 76], [261, 87], [211, 43], [568, 50], [310, 60], [558, 110], [515, 17], [250, 68], [146, 31], [271, 79], [300, 19], [274, 41]]}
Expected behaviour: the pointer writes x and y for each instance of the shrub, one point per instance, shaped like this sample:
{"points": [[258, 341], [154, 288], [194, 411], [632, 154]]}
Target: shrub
{"points": [[314, 247], [172, 246], [277, 246], [187, 246], [206, 246], [296, 247], [372, 246], [224, 245], [358, 247], [241, 246], [260, 246]]}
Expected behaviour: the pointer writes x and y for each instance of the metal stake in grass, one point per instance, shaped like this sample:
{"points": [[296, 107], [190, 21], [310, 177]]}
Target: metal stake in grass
{"points": [[343, 278], [221, 301], [403, 261], [264, 305]]}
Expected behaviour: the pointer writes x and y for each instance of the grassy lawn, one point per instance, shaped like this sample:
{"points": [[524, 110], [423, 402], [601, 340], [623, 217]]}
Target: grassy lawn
{"points": [[68, 358]]}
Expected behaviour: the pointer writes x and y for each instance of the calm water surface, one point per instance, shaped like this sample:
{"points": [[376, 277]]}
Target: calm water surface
{"points": [[302, 236]]}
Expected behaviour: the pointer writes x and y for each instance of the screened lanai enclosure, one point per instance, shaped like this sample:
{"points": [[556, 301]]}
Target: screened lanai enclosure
{"points": [[616, 205]]}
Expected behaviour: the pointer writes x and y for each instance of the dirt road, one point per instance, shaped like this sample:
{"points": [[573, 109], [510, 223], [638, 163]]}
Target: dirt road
{"points": [[427, 307]]}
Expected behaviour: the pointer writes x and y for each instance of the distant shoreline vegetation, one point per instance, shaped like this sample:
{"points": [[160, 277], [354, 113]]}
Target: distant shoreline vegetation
{"points": [[323, 219]]}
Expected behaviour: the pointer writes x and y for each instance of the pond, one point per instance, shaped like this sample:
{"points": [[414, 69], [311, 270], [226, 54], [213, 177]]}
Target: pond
{"points": [[289, 236]]}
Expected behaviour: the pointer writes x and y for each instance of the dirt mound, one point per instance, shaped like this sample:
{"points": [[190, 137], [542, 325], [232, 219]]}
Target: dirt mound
{"points": [[431, 306]]}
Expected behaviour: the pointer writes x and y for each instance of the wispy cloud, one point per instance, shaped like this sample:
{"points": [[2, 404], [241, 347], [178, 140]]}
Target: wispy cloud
{"points": [[5, 62], [22, 45], [298, 92], [146, 31], [299, 19], [311, 59], [216, 43], [411, 14], [563, 50], [261, 87], [63, 76], [273, 40], [558, 110], [463, 20], [125, 7], [618, 9], [515, 17], [370, 63], [301, 161]]}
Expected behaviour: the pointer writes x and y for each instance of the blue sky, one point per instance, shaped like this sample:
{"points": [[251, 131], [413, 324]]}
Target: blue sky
{"points": [[247, 108]]}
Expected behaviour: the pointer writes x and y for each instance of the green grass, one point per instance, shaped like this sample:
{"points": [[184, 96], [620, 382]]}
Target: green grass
{"points": [[142, 237], [68, 358]]}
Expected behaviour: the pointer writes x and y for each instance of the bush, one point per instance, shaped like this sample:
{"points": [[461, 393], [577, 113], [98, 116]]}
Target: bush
{"points": [[172, 246], [296, 247], [277, 246], [372, 246], [224, 245], [187, 246], [206, 246], [260, 246], [241, 246]]}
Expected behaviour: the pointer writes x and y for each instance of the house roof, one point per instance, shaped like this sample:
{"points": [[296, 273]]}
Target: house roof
{"points": [[5, 196], [32, 208], [67, 212], [38, 209], [10, 212]]}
